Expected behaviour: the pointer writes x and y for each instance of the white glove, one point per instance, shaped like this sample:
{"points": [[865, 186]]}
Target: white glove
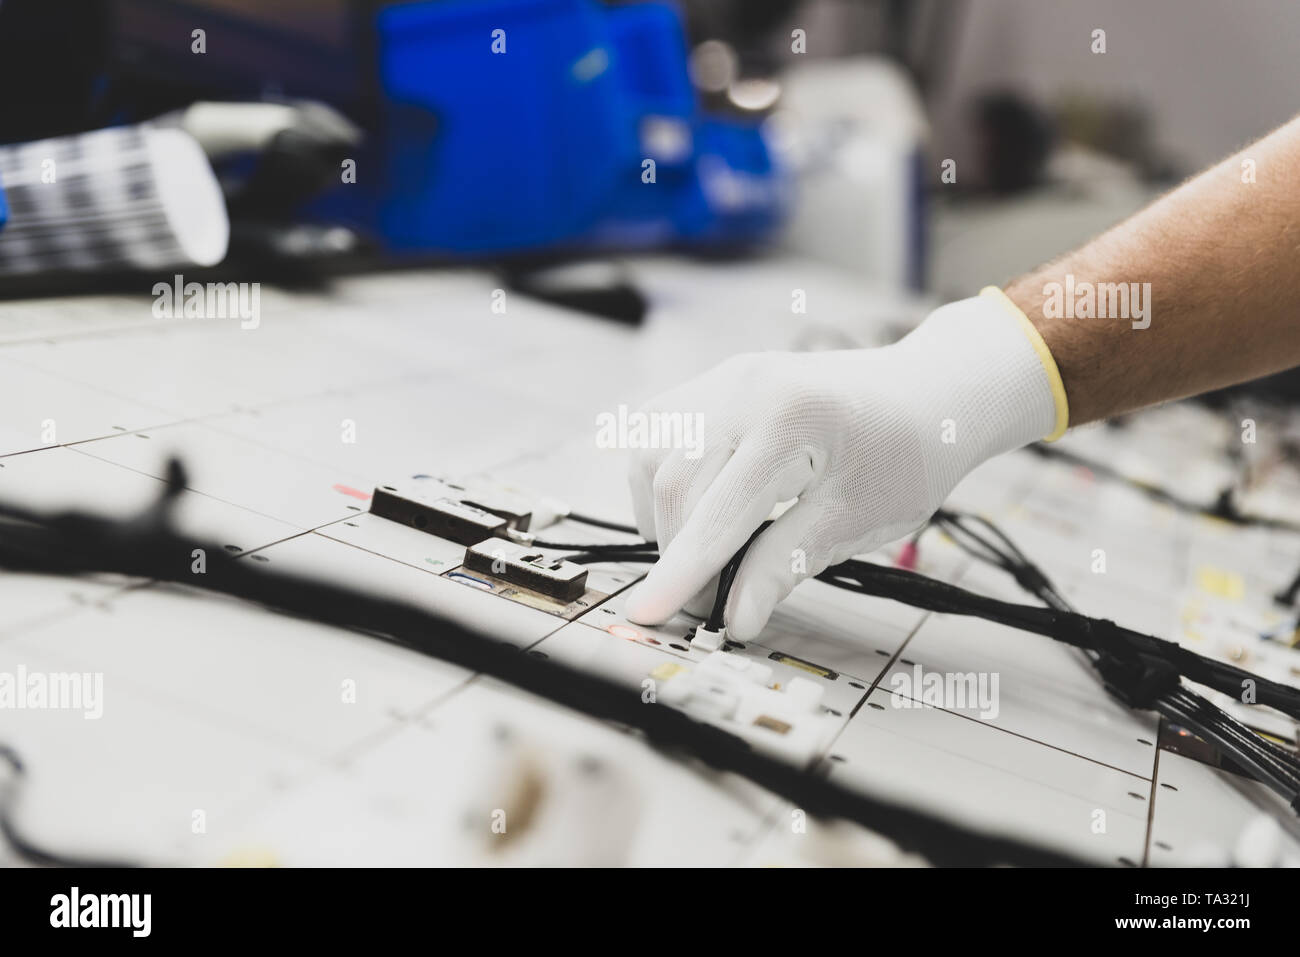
{"points": [[869, 441]]}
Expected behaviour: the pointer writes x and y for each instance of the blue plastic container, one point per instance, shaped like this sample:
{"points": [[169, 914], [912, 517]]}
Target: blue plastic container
{"points": [[524, 125]]}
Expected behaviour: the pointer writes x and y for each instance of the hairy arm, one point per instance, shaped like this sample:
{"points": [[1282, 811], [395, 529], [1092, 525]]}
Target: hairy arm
{"points": [[1222, 256]]}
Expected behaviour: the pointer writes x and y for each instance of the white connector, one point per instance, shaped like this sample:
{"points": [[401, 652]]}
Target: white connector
{"points": [[741, 695], [706, 640]]}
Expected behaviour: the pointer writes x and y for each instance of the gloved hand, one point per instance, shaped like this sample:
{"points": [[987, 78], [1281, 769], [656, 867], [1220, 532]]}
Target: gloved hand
{"points": [[869, 441]]}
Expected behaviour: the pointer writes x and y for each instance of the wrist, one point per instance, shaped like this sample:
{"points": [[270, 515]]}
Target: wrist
{"points": [[985, 385], [1061, 404]]}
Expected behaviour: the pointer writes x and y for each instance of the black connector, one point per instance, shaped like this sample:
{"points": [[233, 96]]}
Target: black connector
{"points": [[444, 517], [527, 568]]}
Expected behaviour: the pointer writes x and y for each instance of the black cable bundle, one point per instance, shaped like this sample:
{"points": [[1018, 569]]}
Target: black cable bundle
{"points": [[1143, 671]]}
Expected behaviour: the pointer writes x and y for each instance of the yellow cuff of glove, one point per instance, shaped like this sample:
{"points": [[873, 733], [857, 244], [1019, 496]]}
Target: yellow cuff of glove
{"points": [[1044, 356]]}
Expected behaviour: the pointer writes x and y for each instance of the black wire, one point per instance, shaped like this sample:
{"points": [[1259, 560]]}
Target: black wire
{"points": [[1240, 742], [23, 846], [726, 578], [1069, 627], [591, 558], [602, 523], [592, 552], [1247, 748], [596, 548], [1008, 556], [1226, 678], [1269, 763]]}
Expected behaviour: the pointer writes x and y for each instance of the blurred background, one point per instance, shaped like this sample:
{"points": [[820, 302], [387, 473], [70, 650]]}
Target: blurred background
{"points": [[892, 138]]}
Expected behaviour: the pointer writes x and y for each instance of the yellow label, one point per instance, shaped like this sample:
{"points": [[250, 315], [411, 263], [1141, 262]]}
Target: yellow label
{"points": [[1220, 583]]}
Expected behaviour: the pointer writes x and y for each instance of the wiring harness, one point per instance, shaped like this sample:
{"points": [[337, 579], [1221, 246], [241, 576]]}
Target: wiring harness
{"points": [[1141, 670], [1144, 672], [146, 546]]}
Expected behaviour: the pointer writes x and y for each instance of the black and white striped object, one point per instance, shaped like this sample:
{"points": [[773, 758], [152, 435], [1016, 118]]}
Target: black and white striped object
{"points": [[127, 197]]}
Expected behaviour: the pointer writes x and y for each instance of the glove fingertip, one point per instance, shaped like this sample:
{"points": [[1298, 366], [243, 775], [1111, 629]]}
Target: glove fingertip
{"points": [[645, 606], [749, 611]]}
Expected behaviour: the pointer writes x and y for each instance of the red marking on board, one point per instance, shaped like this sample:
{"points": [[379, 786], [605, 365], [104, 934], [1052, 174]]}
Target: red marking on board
{"points": [[349, 490]]}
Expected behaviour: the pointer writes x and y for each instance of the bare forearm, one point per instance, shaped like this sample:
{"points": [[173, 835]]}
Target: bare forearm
{"points": [[1210, 276]]}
